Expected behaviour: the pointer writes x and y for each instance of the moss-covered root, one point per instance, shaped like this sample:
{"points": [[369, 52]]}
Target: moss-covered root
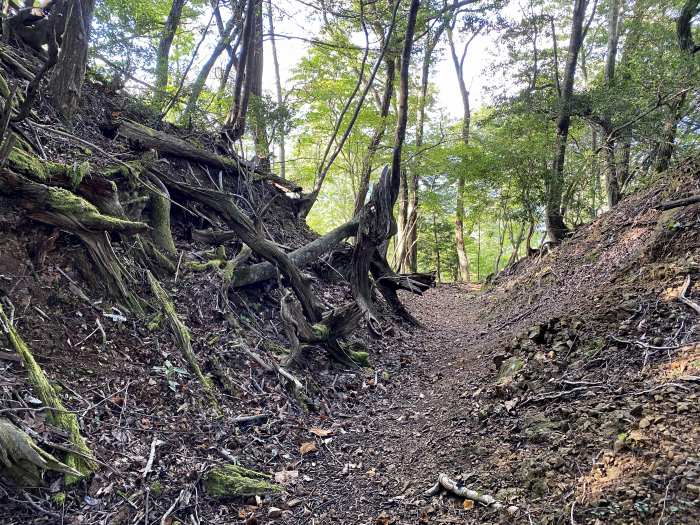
{"points": [[160, 217], [231, 481], [181, 335], [23, 460], [112, 270], [83, 461]]}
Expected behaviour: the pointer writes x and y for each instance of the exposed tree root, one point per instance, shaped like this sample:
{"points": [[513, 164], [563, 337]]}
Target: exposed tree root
{"points": [[300, 257], [182, 336], [150, 138], [336, 324], [244, 227], [62, 208], [231, 481], [58, 415], [23, 460]]}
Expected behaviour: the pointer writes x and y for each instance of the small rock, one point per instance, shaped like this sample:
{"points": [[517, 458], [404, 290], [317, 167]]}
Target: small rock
{"points": [[274, 513], [645, 422], [682, 407]]}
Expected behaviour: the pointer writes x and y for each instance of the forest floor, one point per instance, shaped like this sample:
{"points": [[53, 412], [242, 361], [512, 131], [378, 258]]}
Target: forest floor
{"points": [[569, 388]]}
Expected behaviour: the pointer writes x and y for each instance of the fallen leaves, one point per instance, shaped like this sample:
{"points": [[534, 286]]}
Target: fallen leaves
{"points": [[320, 432], [307, 448], [285, 477]]}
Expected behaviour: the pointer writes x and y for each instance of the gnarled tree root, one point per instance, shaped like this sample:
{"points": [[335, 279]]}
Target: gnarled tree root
{"points": [[23, 460], [58, 415], [334, 325], [182, 336]]}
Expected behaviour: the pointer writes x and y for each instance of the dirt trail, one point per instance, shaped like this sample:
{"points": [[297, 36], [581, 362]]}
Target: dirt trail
{"points": [[410, 426], [611, 432]]}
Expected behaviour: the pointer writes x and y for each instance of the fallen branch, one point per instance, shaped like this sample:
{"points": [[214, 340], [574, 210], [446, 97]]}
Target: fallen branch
{"points": [[149, 464], [684, 299], [669, 205], [150, 138], [445, 482], [300, 257]]}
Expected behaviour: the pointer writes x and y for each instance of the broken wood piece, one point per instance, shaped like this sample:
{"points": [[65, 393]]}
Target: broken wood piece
{"points": [[300, 257], [682, 297], [456, 488], [149, 464]]}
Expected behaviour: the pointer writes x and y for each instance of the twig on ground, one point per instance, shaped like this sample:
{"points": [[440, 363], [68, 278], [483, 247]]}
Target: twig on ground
{"points": [[149, 465], [684, 299], [445, 482]]}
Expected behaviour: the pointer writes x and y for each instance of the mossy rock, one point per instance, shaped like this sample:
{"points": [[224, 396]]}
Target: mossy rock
{"points": [[509, 369], [232, 481]]}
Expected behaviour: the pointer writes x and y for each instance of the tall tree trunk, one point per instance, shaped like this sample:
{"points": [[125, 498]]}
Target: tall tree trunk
{"points": [[278, 88], [68, 75], [258, 123], [235, 121], [378, 134], [438, 270], [458, 63], [666, 146], [199, 83], [409, 259], [401, 219], [612, 183], [163, 54], [554, 219]]}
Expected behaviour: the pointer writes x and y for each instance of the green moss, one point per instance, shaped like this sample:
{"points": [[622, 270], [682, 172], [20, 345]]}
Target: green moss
{"points": [[321, 331], [230, 481], [59, 499], [160, 220], [66, 203], [77, 173], [156, 488], [27, 165], [361, 358], [155, 323], [214, 264], [59, 416]]}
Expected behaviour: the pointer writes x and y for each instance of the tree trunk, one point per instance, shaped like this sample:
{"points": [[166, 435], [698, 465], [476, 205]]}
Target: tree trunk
{"points": [[554, 219], [68, 75], [376, 220], [401, 221], [198, 85], [612, 184], [377, 136], [409, 259], [458, 63], [437, 249], [278, 87], [163, 54], [666, 146], [235, 121], [258, 123]]}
